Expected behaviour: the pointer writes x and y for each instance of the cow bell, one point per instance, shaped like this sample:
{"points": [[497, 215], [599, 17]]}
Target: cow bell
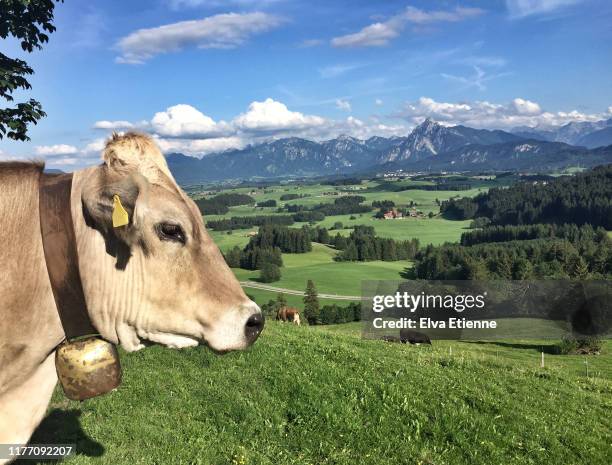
{"points": [[87, 367]]}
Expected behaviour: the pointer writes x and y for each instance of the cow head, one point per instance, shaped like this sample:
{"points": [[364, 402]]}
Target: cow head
{"points": [[159, 278]]}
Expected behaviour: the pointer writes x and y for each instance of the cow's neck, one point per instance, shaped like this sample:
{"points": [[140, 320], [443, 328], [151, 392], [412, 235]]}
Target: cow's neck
{"points": [[30, 328]]}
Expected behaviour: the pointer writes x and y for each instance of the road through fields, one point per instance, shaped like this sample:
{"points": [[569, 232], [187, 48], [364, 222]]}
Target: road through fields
{"points": [[265, 287]]}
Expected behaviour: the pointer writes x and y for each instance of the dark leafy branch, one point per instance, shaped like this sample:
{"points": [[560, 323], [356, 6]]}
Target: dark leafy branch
{"points": [[30, 22]]}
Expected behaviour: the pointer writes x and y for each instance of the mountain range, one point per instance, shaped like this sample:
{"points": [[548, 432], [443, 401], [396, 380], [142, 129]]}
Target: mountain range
{"points": [[590, 134], [430, 146]]}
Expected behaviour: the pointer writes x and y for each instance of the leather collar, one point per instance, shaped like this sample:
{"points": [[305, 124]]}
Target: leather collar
{"points": [[59, 244]]}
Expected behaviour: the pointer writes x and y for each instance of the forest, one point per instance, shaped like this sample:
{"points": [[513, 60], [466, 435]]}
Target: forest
{"points": [[268, 245], [363, 245], [244, 222], [571, 232], [219, 204], [346, 205], [585, 198], [559, 258]]}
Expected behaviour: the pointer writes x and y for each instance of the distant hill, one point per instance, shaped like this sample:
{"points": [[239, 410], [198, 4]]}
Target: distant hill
{"points": [[430, 146], [525, 155], [582, 133], [598, 138]]}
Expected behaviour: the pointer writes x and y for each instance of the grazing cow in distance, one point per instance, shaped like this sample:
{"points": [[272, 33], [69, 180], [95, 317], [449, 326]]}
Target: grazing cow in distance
{"points": [[413, 337], [288, 314], [159, 277]]}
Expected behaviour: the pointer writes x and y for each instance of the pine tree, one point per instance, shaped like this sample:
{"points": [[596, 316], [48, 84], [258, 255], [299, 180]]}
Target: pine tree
{"points": [[578, 268], [232, 257], [522, 269], [281, 300], [311, 304], [340, 242], [504, 267], [477, 270]]}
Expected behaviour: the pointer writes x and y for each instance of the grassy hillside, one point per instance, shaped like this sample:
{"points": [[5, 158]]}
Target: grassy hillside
{"points": [[313, 395]]}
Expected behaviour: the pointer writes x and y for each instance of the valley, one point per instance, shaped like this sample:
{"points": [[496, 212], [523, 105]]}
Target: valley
{"points": [[433, 224]]}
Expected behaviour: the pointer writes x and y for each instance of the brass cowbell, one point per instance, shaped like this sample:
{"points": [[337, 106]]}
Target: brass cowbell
{"points": [[87, 367]]}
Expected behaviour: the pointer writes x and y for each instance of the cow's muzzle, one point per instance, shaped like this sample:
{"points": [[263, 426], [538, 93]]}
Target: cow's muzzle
{"points": [[254, 326]]}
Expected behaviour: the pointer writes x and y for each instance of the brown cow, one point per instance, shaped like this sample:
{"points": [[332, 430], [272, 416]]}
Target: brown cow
{"points": [[160, 278], [289, 314]]}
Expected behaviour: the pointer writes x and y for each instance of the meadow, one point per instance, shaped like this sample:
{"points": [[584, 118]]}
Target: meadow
{"points": [[342, 278], [322, 395]]}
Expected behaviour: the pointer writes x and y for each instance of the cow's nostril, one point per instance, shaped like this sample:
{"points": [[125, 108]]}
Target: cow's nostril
{"points": [[254, 326]]}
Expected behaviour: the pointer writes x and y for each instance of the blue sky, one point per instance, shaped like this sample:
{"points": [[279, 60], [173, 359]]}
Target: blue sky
{"points": [[207, 75]]}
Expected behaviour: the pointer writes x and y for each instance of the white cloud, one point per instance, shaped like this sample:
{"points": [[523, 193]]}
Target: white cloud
{"points": [[378, 102], [94, 146], [374, 35], [380, 33], [187, 122], [526, 107], [483, 114], [7, 157], [522, 8], [343, 105], [57, 149], [200, 147], [359, 129], [63, 156], [113, 125], [273, 116], [221, 31]]}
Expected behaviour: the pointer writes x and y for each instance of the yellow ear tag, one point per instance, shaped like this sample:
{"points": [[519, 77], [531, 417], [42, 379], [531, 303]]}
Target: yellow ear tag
{"points": [[120, 216]]}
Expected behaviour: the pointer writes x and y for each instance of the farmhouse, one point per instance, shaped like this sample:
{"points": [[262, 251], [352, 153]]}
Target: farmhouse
{"points": [[414, 213], [393, 214]]}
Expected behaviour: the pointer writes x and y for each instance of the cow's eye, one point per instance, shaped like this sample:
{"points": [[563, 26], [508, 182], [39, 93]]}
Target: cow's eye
{"points": [[171, 232]]}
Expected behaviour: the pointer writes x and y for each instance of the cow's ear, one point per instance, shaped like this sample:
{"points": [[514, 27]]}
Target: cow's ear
{"points": [[98, 200]]}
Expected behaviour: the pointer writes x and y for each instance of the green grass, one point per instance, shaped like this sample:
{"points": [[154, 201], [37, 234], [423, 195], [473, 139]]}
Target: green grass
{"points": [[330, 277], [428, 231], [321, 395], [435, 231], [226, 241]]}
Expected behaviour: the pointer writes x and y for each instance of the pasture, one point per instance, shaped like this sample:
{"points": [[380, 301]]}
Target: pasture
{"points": [[330, 277], [436, 230], [322, 395], [342, 278]]}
